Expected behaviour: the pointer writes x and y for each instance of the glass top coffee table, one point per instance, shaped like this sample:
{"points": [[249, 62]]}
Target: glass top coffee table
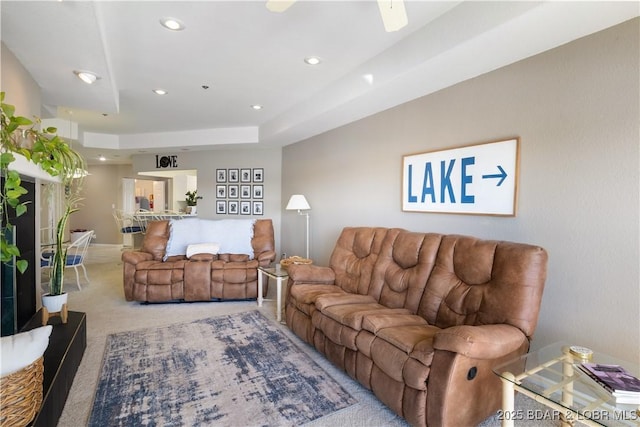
{"points": [[552, 377]]}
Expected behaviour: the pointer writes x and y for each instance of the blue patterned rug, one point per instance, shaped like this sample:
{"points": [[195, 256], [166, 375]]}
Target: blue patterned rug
{"points": [[234, 370]]}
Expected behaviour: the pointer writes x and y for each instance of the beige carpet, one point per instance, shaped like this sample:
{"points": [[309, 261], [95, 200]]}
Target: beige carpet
{"points": [[108, 312]]}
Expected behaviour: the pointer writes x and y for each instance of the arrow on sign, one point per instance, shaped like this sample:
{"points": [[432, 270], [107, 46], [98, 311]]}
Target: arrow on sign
{"points": [[502, 175]]}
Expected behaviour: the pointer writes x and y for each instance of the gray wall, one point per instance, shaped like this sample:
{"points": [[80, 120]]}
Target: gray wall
{"points": [[576, 111], [102, 189]]}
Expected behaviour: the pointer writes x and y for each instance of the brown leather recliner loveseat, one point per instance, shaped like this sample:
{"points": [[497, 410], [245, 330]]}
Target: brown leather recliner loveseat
{"points": [[421, 319], [152, 276]]}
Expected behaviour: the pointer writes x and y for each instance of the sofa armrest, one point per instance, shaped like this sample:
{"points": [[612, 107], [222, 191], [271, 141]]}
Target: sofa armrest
{"points": [[480, 342], [134, 257], [309, 273], [266, 257]]}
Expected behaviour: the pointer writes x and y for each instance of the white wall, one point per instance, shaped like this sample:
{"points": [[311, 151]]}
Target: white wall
{"points": [[576, 111]]}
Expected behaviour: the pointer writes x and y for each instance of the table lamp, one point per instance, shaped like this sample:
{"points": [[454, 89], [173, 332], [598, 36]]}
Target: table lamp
{"points": [[299, 202]]}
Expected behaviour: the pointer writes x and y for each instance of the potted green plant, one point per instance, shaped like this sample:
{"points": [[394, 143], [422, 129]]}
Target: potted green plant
{"points": [[43, 147], [192, 201]]}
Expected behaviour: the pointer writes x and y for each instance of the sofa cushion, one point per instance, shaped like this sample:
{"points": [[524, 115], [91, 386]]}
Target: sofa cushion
{"points": [[392, 348], [235, 258], [342, 323], [304, 296], [351, 315], [325, 301], [405, 272], [482, 282], [376, 322], [355, 255]]}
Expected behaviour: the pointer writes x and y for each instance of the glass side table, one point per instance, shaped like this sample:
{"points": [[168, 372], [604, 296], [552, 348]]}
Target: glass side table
{"points": [[552, 377], [279, 274]]}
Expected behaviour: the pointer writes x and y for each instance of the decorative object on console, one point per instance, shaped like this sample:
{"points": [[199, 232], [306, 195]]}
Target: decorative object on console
{"points": [[54, 305], [21, 375], [299, 202]]}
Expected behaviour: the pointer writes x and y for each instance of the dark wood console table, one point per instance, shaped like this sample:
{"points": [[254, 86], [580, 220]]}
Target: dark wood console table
{"points": [[61, 360]]}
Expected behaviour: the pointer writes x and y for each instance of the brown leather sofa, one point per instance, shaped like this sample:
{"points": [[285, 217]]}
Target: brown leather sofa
{"points": [[202, 277], [421, 319]]}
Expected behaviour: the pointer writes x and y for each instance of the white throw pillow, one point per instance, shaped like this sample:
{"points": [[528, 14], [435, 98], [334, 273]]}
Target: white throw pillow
{"points": [[21, 350], [203, 248]]}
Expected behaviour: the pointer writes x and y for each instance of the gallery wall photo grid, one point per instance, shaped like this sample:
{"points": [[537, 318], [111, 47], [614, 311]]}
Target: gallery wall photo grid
{"points": [[240, 191]]}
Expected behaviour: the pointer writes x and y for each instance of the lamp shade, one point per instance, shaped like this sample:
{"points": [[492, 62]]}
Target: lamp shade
{"points": [[298, 202]]}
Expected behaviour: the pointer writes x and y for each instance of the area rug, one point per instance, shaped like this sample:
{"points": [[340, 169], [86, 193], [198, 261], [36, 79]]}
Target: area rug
{"points": [[233, 370]]}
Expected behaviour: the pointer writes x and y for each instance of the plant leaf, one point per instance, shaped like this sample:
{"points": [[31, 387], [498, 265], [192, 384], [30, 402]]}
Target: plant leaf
{"points": [[22, 265]]}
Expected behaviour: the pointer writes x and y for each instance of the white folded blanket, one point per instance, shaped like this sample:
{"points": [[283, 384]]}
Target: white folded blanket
{"points": [[233, 235]]}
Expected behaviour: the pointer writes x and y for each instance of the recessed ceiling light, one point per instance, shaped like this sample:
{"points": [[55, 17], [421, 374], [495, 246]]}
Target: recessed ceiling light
{"points": [[160, 92], [102, 158], [368, 78], [172, 24], [312, 60], [86, 76], [256, 107]]}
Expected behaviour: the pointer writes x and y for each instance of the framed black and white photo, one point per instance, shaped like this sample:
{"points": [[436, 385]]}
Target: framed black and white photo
{"points": [[257, 192], [245, 184], [221, 191], [232, 191], [258, 175], [257, 208], [221, 175], [221, 206]]}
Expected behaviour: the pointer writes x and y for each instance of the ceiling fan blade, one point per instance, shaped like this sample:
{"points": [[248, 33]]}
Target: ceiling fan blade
{"points": [[279, 5], [393, 13]]}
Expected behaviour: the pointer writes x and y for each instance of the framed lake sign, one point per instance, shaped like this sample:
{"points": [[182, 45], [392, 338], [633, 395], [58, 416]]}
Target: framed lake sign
{"points": [[480, 179]]}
